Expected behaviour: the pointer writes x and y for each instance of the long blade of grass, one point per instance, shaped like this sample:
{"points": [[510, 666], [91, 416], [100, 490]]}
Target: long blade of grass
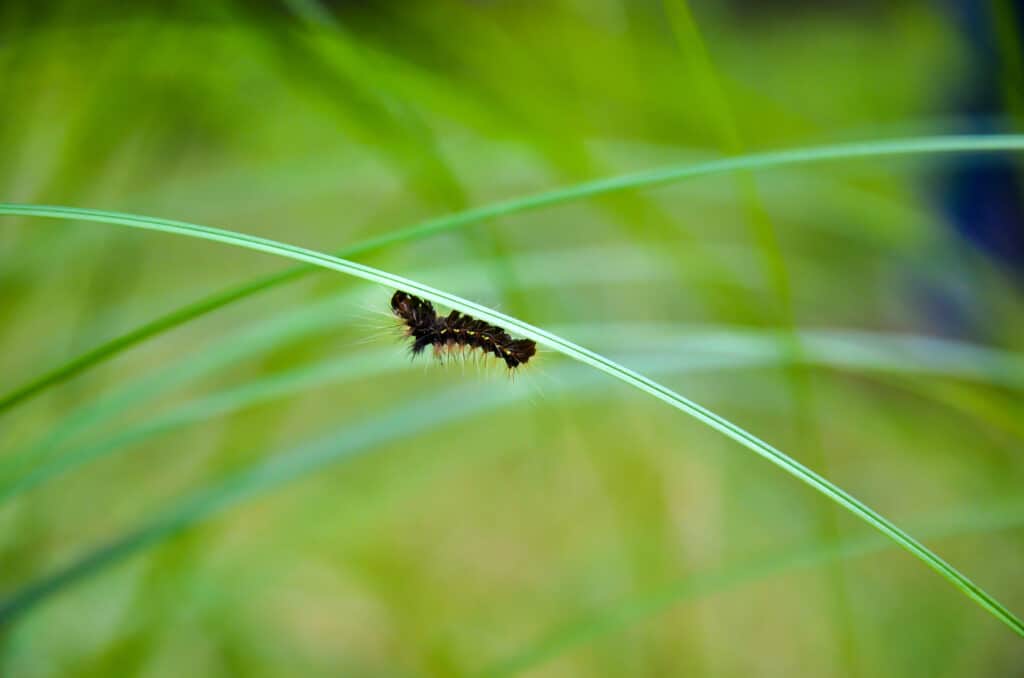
{"points": [[649, 179], [557, 343]]}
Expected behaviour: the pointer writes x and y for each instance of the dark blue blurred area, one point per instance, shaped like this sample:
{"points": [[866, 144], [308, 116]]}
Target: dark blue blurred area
{"points": [[984, 203], [982, 196]]}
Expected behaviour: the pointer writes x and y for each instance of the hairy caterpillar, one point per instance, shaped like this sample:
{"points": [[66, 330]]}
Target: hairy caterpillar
{"points": [[427, 328]]}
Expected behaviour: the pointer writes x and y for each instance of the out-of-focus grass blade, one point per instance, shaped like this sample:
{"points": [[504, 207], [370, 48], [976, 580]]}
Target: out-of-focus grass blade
{"points": [[919, 146], [105, 351], [852, 350], [203, 409], [415, 417], [425, 415], [657, 349], [260, 338], [574, 351], [396, 424]]}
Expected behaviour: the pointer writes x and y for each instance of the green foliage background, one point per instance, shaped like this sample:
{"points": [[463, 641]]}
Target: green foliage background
{"points": [[554, 525]]}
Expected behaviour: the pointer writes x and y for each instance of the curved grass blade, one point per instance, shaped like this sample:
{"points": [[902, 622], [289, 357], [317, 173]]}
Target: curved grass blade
{"points": [[557, 343], [649, 179]]}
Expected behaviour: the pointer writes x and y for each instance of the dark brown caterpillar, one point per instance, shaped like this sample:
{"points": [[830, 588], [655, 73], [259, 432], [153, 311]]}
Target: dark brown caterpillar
{"points": [[427, 328]]}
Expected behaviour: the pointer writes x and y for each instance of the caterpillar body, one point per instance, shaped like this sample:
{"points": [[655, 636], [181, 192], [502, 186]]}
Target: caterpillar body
{"points": [[426, 328]]}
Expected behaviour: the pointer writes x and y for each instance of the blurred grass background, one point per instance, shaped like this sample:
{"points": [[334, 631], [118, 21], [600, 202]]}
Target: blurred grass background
{"points": [[557, 525]]}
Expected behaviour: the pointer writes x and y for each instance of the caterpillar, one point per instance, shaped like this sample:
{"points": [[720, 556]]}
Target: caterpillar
{"points": [[426, 328]]}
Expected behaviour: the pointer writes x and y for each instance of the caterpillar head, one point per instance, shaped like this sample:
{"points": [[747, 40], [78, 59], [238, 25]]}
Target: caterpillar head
{"points": [[518, 352]]}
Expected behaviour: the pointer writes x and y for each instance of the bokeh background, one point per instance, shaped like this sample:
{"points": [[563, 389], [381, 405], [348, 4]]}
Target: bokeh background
{"points": [[347, 512]]}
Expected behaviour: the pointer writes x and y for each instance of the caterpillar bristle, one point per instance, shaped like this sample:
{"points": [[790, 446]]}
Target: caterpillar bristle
{"points": [[457, 333]]}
